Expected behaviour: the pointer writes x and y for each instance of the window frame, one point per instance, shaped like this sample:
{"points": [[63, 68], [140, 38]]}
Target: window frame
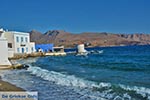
{"points": [[22, 39], [17, 39]]}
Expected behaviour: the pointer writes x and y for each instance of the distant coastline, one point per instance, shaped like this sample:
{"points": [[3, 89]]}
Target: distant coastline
{"points": [[102, 39], [106, 46]]}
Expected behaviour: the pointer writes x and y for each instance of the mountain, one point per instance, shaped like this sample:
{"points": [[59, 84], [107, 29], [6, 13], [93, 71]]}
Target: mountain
{"points": [[60, 37]]}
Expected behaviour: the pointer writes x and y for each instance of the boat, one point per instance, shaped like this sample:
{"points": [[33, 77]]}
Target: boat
{"points": [[95, 51]]}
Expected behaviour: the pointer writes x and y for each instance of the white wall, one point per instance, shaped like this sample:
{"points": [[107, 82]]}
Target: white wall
{"points": [[27, 46], [32, 47], [10, 52], [80, 48], [4, 52], [9, 37], [19, 46]]}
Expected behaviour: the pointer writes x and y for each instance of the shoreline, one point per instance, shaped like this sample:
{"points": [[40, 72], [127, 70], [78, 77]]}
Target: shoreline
{"points": [[6, 86], [109, 46]]}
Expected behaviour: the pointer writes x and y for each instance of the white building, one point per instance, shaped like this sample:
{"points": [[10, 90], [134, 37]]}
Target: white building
{"points": [[19, 42], [3, 50], [81, 48]]}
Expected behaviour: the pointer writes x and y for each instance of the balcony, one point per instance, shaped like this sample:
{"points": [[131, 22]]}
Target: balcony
{"points": [[22, 44]]}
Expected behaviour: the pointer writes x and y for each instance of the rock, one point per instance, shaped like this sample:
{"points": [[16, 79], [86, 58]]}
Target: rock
{"points": [[20, 66]]}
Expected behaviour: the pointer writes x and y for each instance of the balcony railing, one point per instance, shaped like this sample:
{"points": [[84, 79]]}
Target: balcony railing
{"points": [[22, 44]]}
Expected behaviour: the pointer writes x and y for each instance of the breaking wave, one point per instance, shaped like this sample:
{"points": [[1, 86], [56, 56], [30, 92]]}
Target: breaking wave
{"points": [[105, 90]]}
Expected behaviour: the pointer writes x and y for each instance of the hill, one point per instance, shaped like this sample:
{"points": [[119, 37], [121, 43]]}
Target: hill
{"points": [[59, 37]]}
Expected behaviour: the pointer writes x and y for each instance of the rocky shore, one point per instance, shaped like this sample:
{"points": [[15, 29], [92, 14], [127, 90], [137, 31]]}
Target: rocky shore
{"points": [[19, 56]]}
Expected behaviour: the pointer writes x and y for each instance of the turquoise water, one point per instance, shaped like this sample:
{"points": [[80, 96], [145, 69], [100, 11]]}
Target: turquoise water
{"points": [[118, 73]]}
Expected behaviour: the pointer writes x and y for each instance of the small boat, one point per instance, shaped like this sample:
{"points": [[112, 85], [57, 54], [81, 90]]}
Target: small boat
{"points": [[95, 51]]}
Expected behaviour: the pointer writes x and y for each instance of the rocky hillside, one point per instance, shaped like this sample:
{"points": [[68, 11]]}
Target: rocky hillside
{"points": [[92, 39]]}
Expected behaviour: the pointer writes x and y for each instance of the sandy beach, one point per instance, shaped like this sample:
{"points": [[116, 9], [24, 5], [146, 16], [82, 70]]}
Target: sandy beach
{"points": [[5, 86]]}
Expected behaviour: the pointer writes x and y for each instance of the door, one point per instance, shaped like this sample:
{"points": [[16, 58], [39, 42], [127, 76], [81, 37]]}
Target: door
{"points": [[22, 50]]}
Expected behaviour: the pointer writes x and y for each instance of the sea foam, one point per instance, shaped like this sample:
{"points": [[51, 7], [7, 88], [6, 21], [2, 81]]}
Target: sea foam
{"points": [[101, 89]]}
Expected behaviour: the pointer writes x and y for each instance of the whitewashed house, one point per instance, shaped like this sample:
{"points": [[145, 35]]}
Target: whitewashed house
{"points": [[19, 42], [3, 51]]}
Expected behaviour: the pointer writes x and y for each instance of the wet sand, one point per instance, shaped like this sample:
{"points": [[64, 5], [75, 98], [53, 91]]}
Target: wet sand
{"points": [[5, 86]]}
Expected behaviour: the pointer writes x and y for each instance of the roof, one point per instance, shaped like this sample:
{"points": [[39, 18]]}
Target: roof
{"points": [[1, 29], [14, 32], [18, 32], [44, 46]]}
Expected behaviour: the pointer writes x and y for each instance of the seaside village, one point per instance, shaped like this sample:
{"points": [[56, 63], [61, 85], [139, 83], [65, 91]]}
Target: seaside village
{"points": [[15, 45]]}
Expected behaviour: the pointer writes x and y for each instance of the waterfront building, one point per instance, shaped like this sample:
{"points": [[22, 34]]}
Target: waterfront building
{"points": [[59, 49], [19, 42], [3, 51], [80, 48], [44, 47], [50, 50]]}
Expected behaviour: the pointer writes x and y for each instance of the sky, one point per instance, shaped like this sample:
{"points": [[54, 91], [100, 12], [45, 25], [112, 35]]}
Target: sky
{"points": [[76, 16]]}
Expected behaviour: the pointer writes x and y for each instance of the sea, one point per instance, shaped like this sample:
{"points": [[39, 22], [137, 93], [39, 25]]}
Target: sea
{"points": [[107, 73]]}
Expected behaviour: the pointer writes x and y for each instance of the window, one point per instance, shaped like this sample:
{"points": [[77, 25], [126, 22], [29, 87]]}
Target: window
{"points": [[17, 39], [18, 50], [26, 49], [21, 39], [26, 39], [32, 49], [9, 45]]}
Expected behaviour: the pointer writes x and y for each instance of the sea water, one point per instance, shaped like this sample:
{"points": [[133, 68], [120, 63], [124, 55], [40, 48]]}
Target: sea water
{"points": [[117, 73]]}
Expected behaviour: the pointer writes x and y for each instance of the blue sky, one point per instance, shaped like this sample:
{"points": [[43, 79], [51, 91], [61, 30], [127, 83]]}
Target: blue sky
{"points": [[116, 16]]}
